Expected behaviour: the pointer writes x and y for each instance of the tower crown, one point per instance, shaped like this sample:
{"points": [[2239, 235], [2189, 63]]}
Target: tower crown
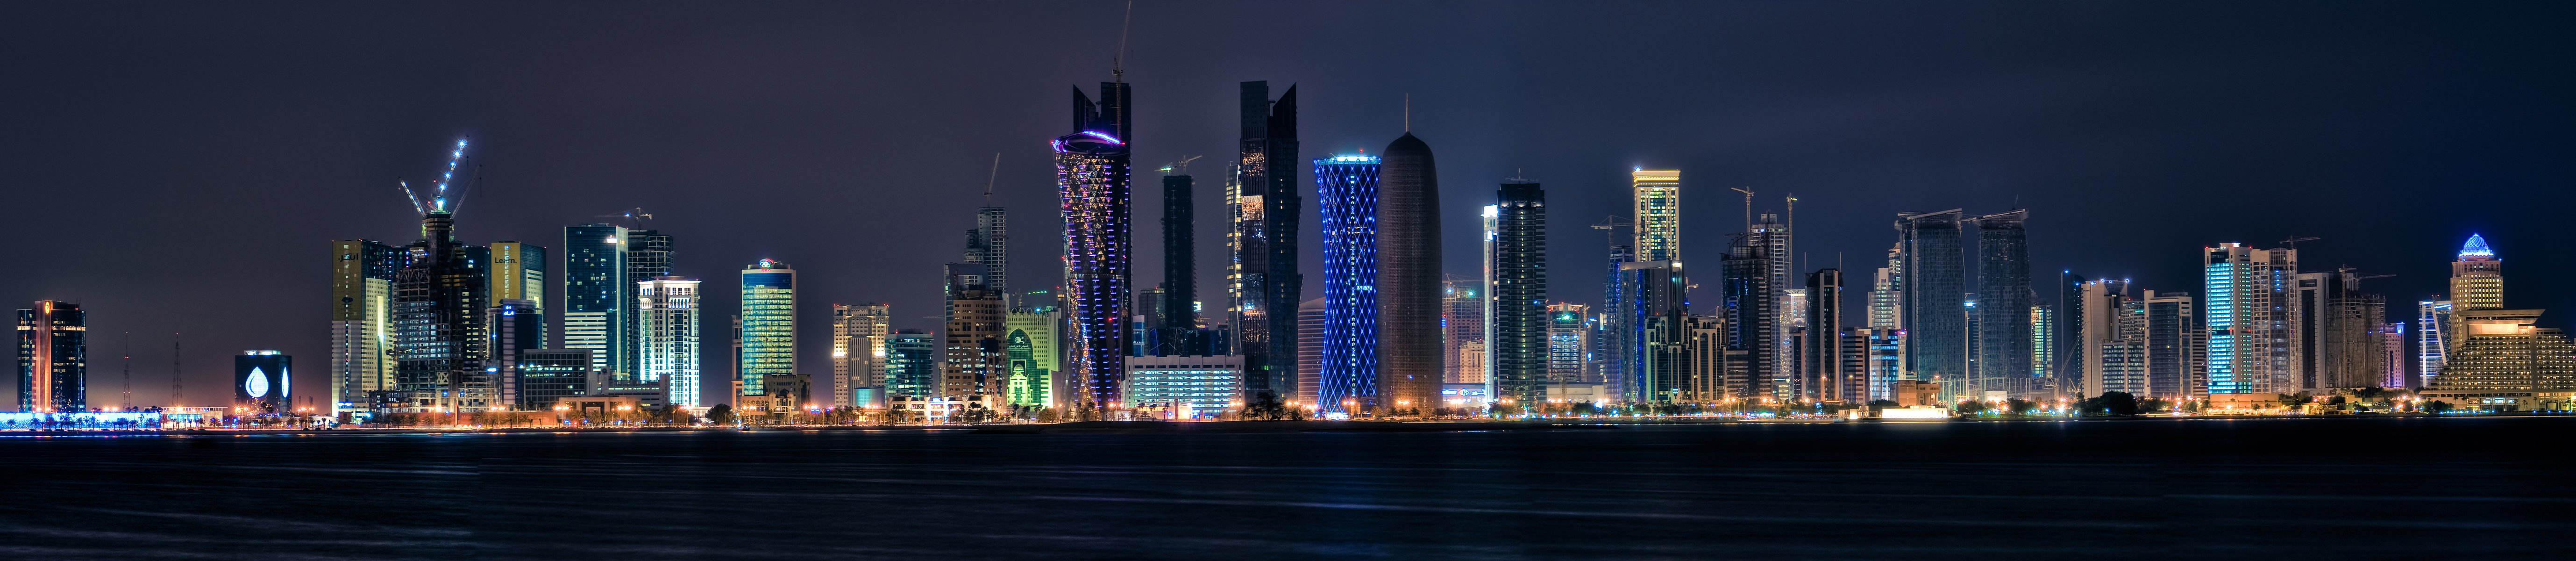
{"points": [[2476, 247]]}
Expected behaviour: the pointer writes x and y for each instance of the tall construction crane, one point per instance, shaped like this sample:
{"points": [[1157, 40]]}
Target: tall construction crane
{"points": [[1748, 206], [2293, 242], [634, 216], [1610, 229], [1181, 167]]}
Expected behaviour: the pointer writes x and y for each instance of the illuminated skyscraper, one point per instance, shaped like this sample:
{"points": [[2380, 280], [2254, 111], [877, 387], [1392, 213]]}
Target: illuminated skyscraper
{"points": [[1092, 186], [439, 311], [1824, 376], [977, 361], [1032, 380], [2066, 366], [859, 335], [2477, 283], [1658, 197], [1517, 345], [517, 326], [2004, 300], [2173, 347], [2432, 339], [1408, 284], [1931, 252], [53, 358], [2248, 317], [262, 384], [989, 244], [668, 308], [1569, 343], [362, 360], [1265, 199], [1462, 302], [2506, 362], [1752, 318], [2098, 307], [2043, 341], [1310, 354], [599, 296], [767, 344], [912, 364], [648, 257], [1660, 369], [519, 273], [1347, 188], [1612, 342]]}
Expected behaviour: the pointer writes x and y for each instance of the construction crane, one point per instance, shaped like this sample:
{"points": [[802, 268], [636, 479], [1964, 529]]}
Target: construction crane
{"points": [[634, 216], [1182, 167], [1748, 206], [2293, 242], [1610, 229]]}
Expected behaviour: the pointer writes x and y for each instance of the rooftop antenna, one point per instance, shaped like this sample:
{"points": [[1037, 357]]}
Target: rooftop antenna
{"points": [[1408, 112], [175, 378], [1748, 206], [989, 177], [1117, 62], [127, 402]]}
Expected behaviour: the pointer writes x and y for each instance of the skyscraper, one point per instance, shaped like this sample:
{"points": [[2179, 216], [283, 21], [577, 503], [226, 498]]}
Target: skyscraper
{"points": [[859, 335], [2173, 347], [1935, 302], [989, 244], [1752, 317], [1611, 342], [1569, 343], [974, 342], [2339, 345], [1347, 188], [912, 364], [2433, 339], [439, 311], [1310, 354], [1660, 368], [519, 273], [1462, 302], [2251, 331], [2097, 306], [1092, 186], [2066, 368], [1266, 199], [2004, 299], [599, 296], [668, 308], [2477, 283], [648, 257], [1408, 266], [1180, 252], [1658, 198], [1032, 380], [362, 360], [767, 344], [517, 326], [1824, 378], [53, 358], [1518, 346]]}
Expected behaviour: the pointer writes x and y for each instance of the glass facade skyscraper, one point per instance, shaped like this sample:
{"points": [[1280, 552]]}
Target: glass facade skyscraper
{"points": [[2248, 318], [767, 345], [53, 358], [912, 364], [597, 296], [1518, 344], [1935, 307], [1658, 197], [1346, 189], [668, 308], [440, 334], [1091, 167], [1262, 278], [2004, 299], [859, 335], [361, 357]]}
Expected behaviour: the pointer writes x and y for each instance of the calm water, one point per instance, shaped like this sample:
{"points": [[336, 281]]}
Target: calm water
{"points": [[2309, 489]]}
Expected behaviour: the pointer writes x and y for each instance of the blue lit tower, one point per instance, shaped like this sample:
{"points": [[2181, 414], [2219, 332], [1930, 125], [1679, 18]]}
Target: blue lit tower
{"points": [[1346, 189], [1266, 202], [53, 358], [1408, 287], [1091, 170], [1930, 249]]}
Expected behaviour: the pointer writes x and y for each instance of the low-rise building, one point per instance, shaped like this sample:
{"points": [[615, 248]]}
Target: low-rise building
{"points": [[1185, 387]]}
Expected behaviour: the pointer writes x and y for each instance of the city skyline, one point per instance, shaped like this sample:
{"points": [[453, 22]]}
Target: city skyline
{"points": [[514, 204]]}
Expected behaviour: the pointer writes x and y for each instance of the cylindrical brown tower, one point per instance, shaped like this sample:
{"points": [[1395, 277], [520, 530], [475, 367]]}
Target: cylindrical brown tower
{"points": [[1408, 286]]}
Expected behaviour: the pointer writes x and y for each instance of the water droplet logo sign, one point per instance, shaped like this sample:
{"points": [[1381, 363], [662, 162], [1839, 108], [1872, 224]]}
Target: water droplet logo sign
{"points": [[256, 384]]}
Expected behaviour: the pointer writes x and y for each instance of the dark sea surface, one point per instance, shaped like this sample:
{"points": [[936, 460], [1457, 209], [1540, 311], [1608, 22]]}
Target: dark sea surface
{"points": [[2359, 488]]}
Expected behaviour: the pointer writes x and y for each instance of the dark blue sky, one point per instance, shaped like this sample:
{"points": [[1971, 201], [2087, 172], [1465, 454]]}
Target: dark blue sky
{"points": [[180, 167]]}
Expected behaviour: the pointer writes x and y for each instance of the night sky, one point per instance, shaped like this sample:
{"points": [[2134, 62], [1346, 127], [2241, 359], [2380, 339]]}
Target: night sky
{"points": [[182, 167]]}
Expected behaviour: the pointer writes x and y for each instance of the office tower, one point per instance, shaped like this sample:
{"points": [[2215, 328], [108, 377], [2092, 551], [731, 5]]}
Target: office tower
{"points": [[858, 353], [2043, 344], [2066, 367], [441, 340], [53, 358], [667, 308], [976, 360], [1310, 354], [2393, 343], [2338, 332], [1825, 377], [1408, 267], [1929, 247], [1151, 307], [517, 326], [988, 244], [2251, 332], [2098, 305], [2172, 346], [1569, 343], [2124, 355], [1658, 197], [2432, 339], [1185, 387], [1031, 349], [1777, 362], [1704, 354], [1180, 252], [2505, 361], [1660, 312], [1518, 346], [2477, 282], [1886, 289], [767, 343], [362, 282], [261, 384], [599, 296], [1266, 199], [648, 256], [1091, 183], [1611, 341], [550, 375], [2004, 297], [912, 364], [1752, 316], [519, 273], [1348, 188], [1786, 383], [1883, 356], [1462, 302]]}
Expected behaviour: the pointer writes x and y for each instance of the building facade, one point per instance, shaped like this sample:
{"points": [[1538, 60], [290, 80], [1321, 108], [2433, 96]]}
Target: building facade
{"points": [[362, 360], [2249, 318], [599, 297], [859, 333], [1266, 199], [1347, 190], [2004, 298], [765, 347], [263, 383], [1092, 174], [1185, 387], [668, 309], [1930, 251], [1408, 283], [53, 358], [973, 341], [1518, 345]]}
